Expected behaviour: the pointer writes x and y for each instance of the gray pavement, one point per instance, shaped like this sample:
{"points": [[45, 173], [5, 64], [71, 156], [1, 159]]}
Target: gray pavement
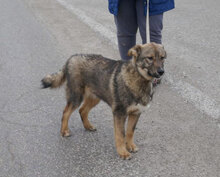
{"points": [[178, 136]]}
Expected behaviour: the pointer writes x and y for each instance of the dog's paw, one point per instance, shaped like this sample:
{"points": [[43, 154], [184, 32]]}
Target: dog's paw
{"points": [[65, 133], [91, 128], [132, 147], [124, 154]]}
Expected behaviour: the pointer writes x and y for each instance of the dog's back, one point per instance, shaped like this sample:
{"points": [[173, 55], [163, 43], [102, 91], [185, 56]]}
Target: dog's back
{"points": [[81, 71], [93, 72]]}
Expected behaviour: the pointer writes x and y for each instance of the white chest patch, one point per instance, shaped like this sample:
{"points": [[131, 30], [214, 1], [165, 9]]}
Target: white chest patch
{"points": [[139, 108], [143, 108]]}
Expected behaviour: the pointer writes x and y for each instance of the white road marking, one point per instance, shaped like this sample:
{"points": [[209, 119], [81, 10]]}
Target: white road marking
{"points": [[95, 26], [201, 101]]}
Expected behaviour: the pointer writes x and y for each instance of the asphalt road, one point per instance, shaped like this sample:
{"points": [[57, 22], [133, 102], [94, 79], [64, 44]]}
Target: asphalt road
{"points": [[178, 136]]}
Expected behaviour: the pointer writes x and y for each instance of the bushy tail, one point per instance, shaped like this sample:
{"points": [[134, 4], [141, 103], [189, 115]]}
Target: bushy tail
{"points": [[54, 80]]}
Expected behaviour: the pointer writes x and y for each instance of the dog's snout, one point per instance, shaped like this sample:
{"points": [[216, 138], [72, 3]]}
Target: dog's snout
{"points": [[160, 71]]}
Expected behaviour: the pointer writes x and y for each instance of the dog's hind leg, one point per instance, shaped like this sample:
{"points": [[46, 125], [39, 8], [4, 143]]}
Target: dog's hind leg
{"points": [[132, 121], [89, 103], [66, 115], [74, 100]]}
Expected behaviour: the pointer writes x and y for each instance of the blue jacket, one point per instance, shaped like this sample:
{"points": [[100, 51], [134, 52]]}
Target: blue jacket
{"points": [[156, 6]]}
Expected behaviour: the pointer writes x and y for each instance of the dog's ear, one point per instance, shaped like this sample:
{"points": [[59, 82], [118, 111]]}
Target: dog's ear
{"points": [[162, 46], [165, 54], [135, 51]]}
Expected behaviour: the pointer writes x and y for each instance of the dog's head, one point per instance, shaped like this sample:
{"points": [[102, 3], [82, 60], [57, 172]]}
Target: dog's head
{"points": [[148, 59]]}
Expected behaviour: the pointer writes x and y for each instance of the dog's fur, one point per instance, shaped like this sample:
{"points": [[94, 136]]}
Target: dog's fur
{"points": [[124, 86]]}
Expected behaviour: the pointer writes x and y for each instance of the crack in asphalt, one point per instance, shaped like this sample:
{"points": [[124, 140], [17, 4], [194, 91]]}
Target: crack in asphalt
{"points": [[23, 112], [21, 96], [14, 158], [23, 125]]}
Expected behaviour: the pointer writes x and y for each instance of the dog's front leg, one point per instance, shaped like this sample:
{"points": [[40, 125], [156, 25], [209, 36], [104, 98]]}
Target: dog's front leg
{"points": [[119, 127], [132, 121]]}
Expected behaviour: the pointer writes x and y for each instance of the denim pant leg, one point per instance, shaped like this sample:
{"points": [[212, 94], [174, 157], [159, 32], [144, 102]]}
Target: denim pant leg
{"points": [[141, 19], [156, 24], [126, 23], [156, 27]]}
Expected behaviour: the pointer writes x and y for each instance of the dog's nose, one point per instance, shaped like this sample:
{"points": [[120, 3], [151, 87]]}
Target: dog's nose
{"points": [[160, 71]]}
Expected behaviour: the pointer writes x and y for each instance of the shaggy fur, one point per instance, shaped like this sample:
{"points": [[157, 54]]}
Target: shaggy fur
{"points": [[125, 86]]}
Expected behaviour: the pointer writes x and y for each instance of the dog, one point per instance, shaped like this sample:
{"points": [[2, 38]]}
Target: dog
{"points": [[126, 86]]}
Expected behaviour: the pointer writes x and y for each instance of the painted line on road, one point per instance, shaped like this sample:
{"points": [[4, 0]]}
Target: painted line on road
{"points": [[95, 26], [201, 101]]}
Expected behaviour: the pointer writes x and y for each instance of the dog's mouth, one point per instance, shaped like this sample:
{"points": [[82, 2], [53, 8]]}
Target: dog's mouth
{"points": [[156, 75], [149, 73]]}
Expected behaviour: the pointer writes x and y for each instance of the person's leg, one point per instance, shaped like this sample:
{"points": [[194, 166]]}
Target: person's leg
{"points": [[156, 24], [126, 24], [141, 19]]}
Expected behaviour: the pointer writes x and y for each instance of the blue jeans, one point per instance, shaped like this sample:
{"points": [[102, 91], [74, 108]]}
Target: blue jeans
{"points": [[130, 18]]}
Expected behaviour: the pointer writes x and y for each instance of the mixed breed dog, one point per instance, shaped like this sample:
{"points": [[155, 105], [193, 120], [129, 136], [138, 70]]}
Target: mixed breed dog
{"points": [[125, 86]]}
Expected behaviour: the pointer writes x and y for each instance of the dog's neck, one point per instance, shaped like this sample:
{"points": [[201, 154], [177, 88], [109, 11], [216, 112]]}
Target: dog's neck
{"points": [[133, 72], [138, 84]]}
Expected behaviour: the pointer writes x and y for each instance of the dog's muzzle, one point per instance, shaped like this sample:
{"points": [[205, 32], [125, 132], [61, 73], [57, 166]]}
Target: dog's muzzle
{"points": [[158, 74], [160, 71]]}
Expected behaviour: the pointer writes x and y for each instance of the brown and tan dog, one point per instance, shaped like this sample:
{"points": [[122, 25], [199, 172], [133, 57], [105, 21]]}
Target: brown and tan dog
{"points": [[124, 86]]}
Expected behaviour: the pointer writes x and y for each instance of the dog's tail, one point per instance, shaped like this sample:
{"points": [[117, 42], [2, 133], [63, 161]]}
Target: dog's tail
{"points": [[54, 80]]}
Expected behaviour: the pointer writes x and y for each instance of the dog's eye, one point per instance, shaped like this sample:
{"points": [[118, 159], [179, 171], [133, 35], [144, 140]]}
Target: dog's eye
{"points": [[162, 58]]}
